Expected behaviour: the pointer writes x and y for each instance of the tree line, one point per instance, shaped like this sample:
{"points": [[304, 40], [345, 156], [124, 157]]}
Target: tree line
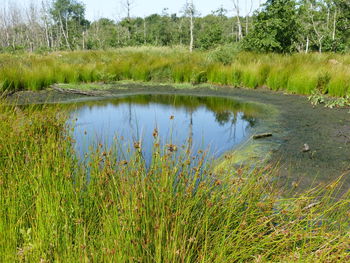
{"points": [[282, 26]]}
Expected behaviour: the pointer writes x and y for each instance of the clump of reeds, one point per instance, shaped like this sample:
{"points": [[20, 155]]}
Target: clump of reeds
{"points": [[297, 73], [57, 209]]}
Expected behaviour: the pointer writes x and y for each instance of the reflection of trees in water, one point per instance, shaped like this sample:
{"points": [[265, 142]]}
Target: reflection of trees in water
{"points": [[226, 117], [223, 117], [226, 110], [234, 117], [229, 117], [217, 105], [190, 136], [249, 119]]}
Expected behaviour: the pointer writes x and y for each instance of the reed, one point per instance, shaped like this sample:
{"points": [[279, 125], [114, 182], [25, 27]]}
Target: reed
{"points": [[297, 73], [340, 83], [54, 208]]}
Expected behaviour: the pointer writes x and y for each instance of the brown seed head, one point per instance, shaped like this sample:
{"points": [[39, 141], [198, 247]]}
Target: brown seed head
{"points": [[155, 133], [172, 147], [137, 145]]}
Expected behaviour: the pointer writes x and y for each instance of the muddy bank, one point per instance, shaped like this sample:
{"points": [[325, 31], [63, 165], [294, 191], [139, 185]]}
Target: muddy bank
{"points": [[326, 131]]}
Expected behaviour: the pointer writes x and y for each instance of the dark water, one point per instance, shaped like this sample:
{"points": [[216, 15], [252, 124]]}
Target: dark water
{"points": [[211, 124]]}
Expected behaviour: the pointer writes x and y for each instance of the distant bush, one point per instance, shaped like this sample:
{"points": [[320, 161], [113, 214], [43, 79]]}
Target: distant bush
{"points": [[224, 54]]}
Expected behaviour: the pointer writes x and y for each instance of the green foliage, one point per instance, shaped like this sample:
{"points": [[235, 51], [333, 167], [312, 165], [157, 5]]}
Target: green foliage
{"points": [[249, 77], [224, 54], [329, 102], [342, 25], [298, 73], [54, 208], [263, 73], [65, 10], [322, 82], [316, 98], [211, 33], [102, 34], [281, 26], [278, 79], [300, 82], [338, 102], [69, 15], [339, 85], [275, 28]]}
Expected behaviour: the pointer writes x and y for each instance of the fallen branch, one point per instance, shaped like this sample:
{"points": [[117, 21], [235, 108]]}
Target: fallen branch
{"points": [[262, 135], [73, 91]]}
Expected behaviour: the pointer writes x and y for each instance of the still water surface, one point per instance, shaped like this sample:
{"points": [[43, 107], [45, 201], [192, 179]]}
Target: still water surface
{"points": [[211, 124]]}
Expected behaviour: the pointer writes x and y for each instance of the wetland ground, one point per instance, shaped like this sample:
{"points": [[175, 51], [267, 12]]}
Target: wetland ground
{"points": [[293, 122]]}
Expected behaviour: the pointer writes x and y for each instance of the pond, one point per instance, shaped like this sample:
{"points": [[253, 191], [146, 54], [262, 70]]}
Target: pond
{"points": [[211, 124], [291, 119]]}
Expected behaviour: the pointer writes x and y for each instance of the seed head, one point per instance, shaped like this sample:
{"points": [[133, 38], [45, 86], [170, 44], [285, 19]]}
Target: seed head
{"points": [[155, 133], [137, 145], [171, 147]]}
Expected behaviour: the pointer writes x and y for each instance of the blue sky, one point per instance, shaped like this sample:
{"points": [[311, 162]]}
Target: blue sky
{"points": [[112, 8]]}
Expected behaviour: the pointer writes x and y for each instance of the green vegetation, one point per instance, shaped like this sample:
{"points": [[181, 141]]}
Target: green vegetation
{"points": [[298, 73], [282, 26], [56, 209], [318, 98]]}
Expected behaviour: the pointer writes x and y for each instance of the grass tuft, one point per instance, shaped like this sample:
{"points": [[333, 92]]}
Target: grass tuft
{"points": [[297, 73], [54, 208]]}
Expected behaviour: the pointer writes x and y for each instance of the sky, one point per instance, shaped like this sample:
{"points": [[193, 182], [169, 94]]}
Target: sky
{"points": [[113, 8], [96, 9]]}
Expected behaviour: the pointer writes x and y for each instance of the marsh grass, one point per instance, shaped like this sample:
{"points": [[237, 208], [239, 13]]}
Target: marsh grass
{"points": [[297, 73], [56, 209]]}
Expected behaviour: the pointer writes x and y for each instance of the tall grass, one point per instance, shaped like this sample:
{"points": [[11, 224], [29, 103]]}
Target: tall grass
{"points": [[56, 209], [298, 73]]}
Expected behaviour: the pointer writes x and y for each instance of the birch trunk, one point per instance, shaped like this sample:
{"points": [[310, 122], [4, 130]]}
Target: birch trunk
{"points": [[334, 24], [239, 24], [191, 25], [64, 33]]}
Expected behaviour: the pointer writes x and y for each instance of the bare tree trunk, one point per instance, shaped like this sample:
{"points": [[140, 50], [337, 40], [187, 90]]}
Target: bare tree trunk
{"points": [[307, 45], [46, 26], [318, 34], [247, 18], [328, 16], [334, 24], [246, 24], [84, 40], [239, 24], [59, 36], [191, 25], [67, 31], [180, 30], [233, 31], [47, 35], [144, 31], [6, 27], [64, 33], [127, 5], [320, 44]]}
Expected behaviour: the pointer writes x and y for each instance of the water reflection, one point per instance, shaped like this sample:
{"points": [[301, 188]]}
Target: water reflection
{"points": [[206, 123]]}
